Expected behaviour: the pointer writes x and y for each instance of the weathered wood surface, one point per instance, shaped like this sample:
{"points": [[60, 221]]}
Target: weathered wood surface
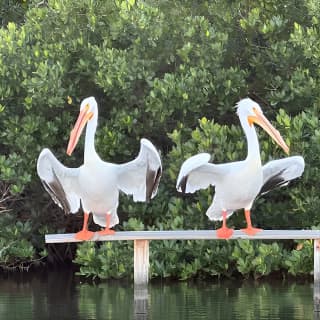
{"points": [[316, 278], [141, 262], [316, 262], [188, 235]]}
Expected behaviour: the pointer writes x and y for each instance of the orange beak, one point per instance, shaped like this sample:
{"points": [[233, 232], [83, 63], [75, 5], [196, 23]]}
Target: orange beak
{"points": [[75, 134], [264, 123]]}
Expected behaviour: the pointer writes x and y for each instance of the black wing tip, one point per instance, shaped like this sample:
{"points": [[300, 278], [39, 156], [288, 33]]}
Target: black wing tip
{"points": [[57, 193], [152, 182], [183, 184], [273, 182]]}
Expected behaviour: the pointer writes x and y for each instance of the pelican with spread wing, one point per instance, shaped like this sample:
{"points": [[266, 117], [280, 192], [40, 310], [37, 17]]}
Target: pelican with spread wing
{"points": [[96, 184], [237, 184]]}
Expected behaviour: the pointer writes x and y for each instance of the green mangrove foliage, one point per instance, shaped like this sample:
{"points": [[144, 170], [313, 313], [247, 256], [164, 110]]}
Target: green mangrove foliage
{"points": [[170, 71], [185, 259]]}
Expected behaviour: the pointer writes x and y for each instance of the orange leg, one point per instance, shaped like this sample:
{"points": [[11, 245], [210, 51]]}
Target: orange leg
{"points": [[249, 230], [84, 234], [107, 230], [224, 232]]}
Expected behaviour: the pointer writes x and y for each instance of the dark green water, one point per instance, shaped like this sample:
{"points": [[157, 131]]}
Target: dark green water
{"points": [[60, 295]]}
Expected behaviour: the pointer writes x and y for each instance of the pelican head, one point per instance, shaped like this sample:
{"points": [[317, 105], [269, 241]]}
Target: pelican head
{"points": [[88, 109], [250, 111]]}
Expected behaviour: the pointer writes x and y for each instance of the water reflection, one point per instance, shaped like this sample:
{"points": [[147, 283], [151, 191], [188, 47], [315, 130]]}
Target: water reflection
{"points": [[60, 295], [141, 302], [233, 300]]}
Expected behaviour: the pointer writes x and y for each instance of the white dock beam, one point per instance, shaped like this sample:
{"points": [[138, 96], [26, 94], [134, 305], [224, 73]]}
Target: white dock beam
{"points": [[141, 246]]}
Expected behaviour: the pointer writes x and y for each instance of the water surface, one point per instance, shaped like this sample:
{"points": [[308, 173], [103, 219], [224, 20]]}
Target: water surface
{"points": [[61, 295]]}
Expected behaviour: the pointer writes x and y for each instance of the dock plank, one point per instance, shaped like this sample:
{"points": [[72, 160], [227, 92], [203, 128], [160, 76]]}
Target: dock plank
{"points": [[188, 235]]}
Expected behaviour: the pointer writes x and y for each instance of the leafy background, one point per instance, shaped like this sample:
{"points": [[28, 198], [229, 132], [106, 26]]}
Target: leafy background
{"points": [[170, 71]]}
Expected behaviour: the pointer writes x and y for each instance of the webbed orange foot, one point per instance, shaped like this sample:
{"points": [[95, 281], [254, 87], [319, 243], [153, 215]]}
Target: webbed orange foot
{"points": [[224, 233], [106, 232], [251, 231], [84, 235]]}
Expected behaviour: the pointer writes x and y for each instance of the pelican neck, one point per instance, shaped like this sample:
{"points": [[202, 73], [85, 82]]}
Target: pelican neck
{"points": [[253, 148], [89, 147]]}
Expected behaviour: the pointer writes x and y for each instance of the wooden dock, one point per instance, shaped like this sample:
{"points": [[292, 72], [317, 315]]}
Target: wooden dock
{"points": [[141, 243]]}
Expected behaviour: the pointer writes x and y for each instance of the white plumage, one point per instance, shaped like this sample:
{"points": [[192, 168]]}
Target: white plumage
{"points": [[237, 184], [96, 184], [59, 181]]}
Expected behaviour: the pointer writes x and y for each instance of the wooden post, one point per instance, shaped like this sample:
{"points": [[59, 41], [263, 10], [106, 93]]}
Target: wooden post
{"points": [[316, 261], [316, 276], [141, 262]]}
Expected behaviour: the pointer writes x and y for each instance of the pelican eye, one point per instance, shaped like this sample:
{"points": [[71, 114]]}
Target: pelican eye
{"points": [[252, 118], [256, 111]]}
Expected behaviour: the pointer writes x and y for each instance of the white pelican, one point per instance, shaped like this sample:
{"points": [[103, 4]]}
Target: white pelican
{"points": [[237, 184], [96, 183]]}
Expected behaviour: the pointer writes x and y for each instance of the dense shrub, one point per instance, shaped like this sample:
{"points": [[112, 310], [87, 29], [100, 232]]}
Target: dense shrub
{"points": [[170, 71]]}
